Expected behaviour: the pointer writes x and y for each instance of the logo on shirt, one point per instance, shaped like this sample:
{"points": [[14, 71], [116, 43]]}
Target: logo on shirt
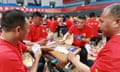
{"points": [[84, 34], [43, 30], [79, 37], [96, 70]]}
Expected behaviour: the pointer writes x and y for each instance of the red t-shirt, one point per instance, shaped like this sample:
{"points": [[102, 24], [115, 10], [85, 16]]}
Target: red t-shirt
{"points": [[94, 24], [86, 32], [53, 26], [48, 22], [69, 23], [108, 59], [11, 57], [36, 33]]}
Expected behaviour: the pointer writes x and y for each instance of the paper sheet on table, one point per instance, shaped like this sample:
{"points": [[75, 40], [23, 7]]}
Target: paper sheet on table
{"points": [[61, 49]]}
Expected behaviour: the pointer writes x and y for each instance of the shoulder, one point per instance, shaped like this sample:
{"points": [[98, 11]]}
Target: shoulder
{"points": [[4, 50], [74, 26], [9, 61], [7, 54], [114, 42], [42, 27], [32, 26], [88, 27], [112, 47]]}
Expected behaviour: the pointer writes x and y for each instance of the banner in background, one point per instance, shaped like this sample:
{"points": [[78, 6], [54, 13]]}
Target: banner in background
{"points": [[71, 1], [57, 10]]}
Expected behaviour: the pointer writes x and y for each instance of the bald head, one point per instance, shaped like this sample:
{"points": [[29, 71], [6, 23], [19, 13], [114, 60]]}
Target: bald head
{"points": [[110, 20], [113, 10]]}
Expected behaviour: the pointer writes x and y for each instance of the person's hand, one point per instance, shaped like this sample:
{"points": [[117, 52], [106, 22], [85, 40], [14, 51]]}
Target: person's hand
{"points": [[42, 42], [38, 54], [62, 42], [48, 48], [71, 56], [51, 46], [28, 43], [36, 49]]}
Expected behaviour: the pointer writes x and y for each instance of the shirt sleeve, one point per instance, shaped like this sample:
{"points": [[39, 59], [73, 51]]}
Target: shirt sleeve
{"points": [[22, 46], [71, 30]]}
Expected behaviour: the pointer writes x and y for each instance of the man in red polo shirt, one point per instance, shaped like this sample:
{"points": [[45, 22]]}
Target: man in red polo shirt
{"points": [[81, 35], [69, 22], [37, 34], [37, 31], [108, 59], [94, 23], [48, 22], [54, 24], [14, 29]]}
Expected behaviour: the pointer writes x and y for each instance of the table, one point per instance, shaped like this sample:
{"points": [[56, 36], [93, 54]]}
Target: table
{"points": [[62, 59]]}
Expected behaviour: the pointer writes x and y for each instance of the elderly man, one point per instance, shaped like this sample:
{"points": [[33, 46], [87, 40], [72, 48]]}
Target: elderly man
{"points": [[108, 59]]}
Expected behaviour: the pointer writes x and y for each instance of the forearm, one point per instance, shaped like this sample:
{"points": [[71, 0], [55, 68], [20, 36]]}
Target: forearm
{"points": [[80, 66], [66, 36], [35, 66], [85, 39], [47, 48]]}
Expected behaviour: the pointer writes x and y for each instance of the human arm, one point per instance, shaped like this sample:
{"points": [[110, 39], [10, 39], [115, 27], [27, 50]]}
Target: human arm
{"points": [[38, 54], [64, 38], [80, 66], [85, 39]]}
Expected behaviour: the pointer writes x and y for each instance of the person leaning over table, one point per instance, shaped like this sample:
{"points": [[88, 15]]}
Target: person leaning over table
{"points": [[81, 35], [108, 59]]}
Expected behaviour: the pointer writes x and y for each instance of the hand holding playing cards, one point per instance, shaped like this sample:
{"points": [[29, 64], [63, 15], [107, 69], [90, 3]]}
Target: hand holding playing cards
{"points": [[37, 51]]}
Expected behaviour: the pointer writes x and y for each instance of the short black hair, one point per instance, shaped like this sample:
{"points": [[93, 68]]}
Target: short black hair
{"points": [[37, 14], [82, 17], [55, 18], [92, 14], [12, 18], [67, 16]]}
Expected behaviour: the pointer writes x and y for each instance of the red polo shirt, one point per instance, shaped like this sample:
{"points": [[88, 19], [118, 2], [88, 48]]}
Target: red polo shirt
{"points": [[36, 33], [53, 26], [86, 32], [11, 57], [69, 23], [108, 59], [48, 22], [94, 24]]}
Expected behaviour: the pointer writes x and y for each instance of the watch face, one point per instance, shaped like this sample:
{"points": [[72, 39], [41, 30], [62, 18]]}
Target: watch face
{"points": [[80, 37], [72, 49]]}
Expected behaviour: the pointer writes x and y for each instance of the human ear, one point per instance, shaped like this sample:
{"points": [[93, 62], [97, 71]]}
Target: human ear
{"points": [[18, 28], [118, 21]]}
